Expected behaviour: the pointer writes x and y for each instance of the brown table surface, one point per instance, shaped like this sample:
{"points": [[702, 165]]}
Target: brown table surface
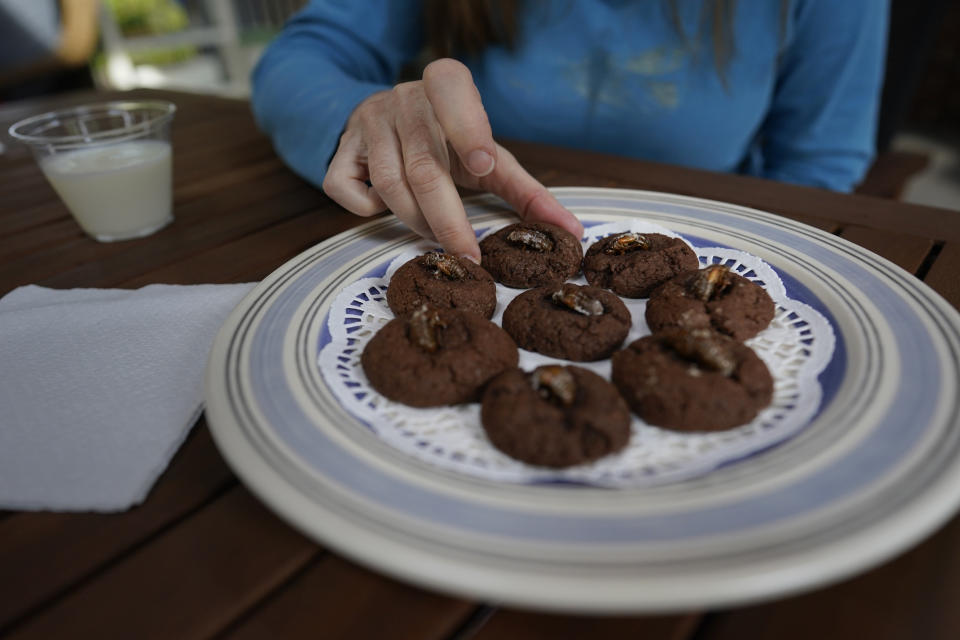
{"points": [[202, 557]]}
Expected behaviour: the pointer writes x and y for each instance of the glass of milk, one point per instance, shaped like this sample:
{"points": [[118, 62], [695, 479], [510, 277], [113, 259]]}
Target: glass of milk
{"points": [[110, 163]]}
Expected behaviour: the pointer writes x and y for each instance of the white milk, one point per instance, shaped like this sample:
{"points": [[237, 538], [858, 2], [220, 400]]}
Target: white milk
{"points": [[115, 192]]}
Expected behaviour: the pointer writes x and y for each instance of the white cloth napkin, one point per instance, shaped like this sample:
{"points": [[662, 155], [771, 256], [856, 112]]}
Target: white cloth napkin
{"points": [[98, 389]]}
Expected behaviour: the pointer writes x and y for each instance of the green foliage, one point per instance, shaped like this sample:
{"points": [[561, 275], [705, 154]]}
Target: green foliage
{"points": [[144, 17], [161, 57], [151, 17]]}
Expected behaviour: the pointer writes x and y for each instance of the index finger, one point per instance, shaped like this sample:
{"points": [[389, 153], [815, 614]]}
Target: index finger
{"points": [[428, 173], [456, 103]]}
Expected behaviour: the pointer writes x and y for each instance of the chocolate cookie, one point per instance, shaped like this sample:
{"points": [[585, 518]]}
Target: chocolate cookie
{"points": [[568, 321], [442, 280], [531, 254], [555, 416], [634, 264], [709, 298], [697, 380], [436, 357]]}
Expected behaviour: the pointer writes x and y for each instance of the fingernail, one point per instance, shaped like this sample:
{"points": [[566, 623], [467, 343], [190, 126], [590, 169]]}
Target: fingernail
{"points": [[479, 162], [471, 258]]}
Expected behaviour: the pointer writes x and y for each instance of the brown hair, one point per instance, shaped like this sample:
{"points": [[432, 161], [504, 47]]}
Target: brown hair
{"points": [[466, 27]]}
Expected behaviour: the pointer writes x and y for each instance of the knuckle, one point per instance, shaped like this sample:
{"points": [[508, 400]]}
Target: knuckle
{"points": [[386, 180], [368, 115], [378, 98], [350, 136], [373, 108], [333, 185], [405, 90], [424, 173], [330, 187], [338, 191], [366, 109], [419, 135]]}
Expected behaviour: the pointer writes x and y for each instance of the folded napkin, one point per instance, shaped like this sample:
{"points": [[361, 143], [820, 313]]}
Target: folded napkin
{"points": [[98, 389]]}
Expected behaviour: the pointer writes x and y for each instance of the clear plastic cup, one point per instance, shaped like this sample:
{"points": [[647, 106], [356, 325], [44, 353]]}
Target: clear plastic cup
{"points": [[110, 163]]}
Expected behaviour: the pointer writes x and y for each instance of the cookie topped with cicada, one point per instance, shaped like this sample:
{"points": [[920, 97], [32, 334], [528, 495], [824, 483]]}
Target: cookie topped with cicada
{"points": [[568, 321], [692, 380], [436, 356], [634, 264], [554, 416], [442, 280], [531, 254], [711, 298]]}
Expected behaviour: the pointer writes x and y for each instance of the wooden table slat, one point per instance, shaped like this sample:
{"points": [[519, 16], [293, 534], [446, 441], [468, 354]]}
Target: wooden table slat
{"points": [[25, 219], [251, 257], [190, 583], [335, 598], [63, 258], [44, 553], [906, 251], [509, 624], [913, 596], [944, 275], [198, 187]]}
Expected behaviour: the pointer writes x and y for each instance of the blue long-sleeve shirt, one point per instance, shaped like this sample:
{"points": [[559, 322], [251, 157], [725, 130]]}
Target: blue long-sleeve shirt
{"points": [[797, 100]]}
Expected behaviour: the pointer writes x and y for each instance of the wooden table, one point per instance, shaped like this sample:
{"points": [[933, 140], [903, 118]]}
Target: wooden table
{"points": [[202, 557]]}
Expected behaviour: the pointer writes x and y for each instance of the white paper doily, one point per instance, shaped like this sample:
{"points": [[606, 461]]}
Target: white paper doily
{"points": [[796, 347]]}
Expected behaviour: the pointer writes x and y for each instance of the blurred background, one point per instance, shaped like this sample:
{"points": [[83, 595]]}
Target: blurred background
{"points": [[210, 46], [192, 45]]}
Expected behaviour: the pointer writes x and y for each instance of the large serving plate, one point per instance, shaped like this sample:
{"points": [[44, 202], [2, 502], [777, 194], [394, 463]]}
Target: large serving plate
{"points": [[877, 468]]}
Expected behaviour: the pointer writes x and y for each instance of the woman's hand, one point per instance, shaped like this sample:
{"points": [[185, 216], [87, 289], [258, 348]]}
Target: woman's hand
{"points": [[415, 143]]}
